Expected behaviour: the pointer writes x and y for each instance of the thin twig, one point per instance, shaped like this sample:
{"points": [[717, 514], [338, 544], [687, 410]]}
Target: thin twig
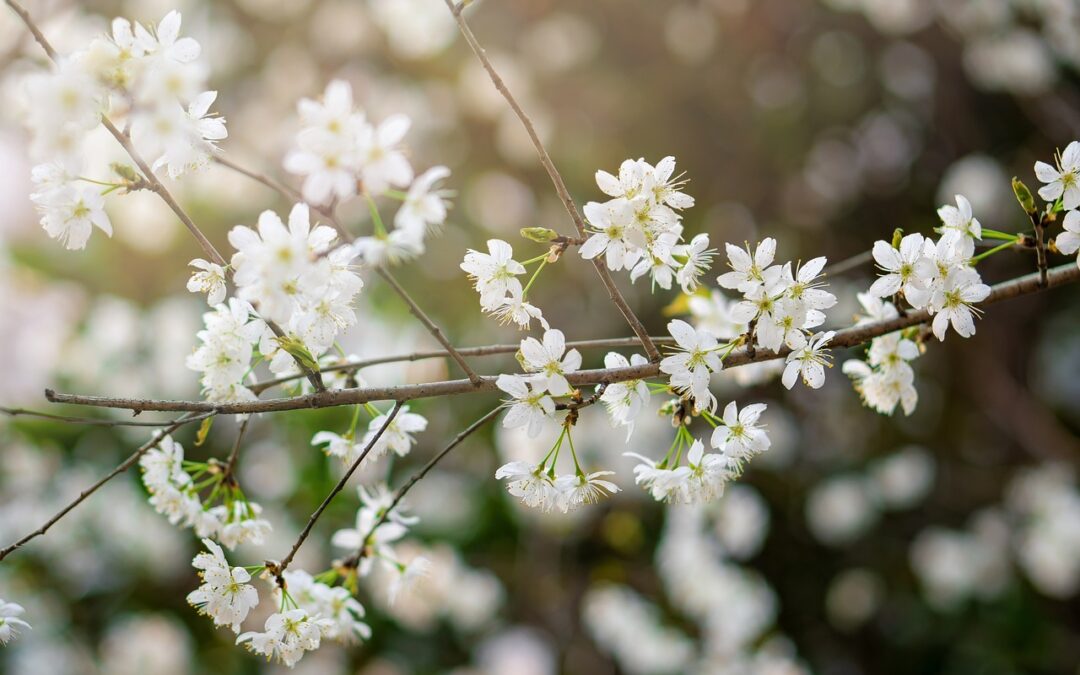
{"points": [[556, 179], [353, 560], [487, 350], [854, 262], [278, 569], [121, 468], [89, 421], [272, 183], [230, 463], [430, 325], [849, 337]]}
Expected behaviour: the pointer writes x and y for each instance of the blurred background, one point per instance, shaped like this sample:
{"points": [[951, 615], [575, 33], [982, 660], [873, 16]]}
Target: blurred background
{"points": [[943, 542]]}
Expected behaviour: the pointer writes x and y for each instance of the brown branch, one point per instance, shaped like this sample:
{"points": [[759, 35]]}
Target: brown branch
{"points": [[488, 350], [230, 463], [849, 337], [354, 560], [121, 468], [430, 325], [278, 569], [556, 180]]}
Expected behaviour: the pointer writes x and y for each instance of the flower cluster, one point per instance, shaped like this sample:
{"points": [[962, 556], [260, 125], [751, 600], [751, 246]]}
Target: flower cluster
{"points": [[224, 355], [782, 302], [174, 493], [333, 603], [885, 379], [737, 436], [341, 154], [149, 79], [1062, 185], [287, 635], [225, 594], [374, 537], [640, 227], [494, 275]]}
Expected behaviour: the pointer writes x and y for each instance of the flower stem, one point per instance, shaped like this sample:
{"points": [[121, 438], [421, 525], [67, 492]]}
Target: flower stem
{"points": [[987, 254]]}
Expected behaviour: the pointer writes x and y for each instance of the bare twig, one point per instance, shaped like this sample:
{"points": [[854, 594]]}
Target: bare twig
{"points": [[556, 180], [430, 325], [849, 337], [89, 421], [230, 463], [353, 560], [487, 350], [121, 468], [854, 262], [278, 569]]}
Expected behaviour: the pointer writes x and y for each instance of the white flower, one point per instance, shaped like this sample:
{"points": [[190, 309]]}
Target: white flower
{"points": [[617, 234], [892, 350], [960, 219], [327, 163], [287, 635], [740, 436], [65, 99], [1068, 242], [398, 246], [211, 280], [335, 604], [905, 268], [714, 314], [1064, 182], [225, 594], [337, 446], [691, 367], [179, 139], [709, 473], [548, 362], [748, 271], [664, 485], [698, 260], [242, 524], [578, 489], [407, 577], [530, 405], [334, 114], [165, 41], [514, 309], [875, 309], [382, 164], [954, 299], [534, 485], [69, 214], [10, 621], [276, 267], [809, 361], [163, 463], [625, 400], [424, 208], [494, 274], [883, 389], [398, 435]]}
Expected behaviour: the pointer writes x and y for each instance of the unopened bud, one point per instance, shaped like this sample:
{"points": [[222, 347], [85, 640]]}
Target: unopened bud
{"points": [[897, 235], [1023, 195], [542, 235], [125, 171]]}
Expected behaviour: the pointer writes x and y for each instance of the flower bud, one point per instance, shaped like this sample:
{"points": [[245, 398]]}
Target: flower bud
{"points": [[1023, 195], [541, 235]]}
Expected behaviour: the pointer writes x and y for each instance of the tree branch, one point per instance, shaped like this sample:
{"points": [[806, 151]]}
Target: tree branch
{"points": [[556, 180], [849, 337], [123, 466], [278, 569]]}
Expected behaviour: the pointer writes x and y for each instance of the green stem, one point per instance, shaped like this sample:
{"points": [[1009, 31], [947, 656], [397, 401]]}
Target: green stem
{"points": [[573, 452], [987, 254], [397, 194], [355, 420], [380, 228], [525, 292], [995, 234], [554, 450]]}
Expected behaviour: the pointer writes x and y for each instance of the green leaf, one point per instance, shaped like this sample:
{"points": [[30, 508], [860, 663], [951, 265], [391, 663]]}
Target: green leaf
{"points": [[204, 431]]}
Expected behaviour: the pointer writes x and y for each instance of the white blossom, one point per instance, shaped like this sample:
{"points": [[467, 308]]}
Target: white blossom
{"points": [[530, 405], [1068, 242], [1063, 182], [210, 280], [287, 635], [10, 621], [494, 274], [809, 362], [691, 367], [225, 595], [533, 484], [549, 362], [741, 436]]}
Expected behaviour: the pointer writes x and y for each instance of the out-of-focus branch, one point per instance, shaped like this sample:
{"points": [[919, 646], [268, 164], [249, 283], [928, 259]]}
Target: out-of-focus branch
{"points": [[121, 468], [849, 337], [278, 569], [353, 560], [556, 179], [89, 421]]}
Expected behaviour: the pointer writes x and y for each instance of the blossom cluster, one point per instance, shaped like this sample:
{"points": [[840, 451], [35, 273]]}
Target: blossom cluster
{"points": [[341, 155], [146, 77], [640, 228], [174, 493], [494, 275], [378, 528], [225, 595], [885, 379]]}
